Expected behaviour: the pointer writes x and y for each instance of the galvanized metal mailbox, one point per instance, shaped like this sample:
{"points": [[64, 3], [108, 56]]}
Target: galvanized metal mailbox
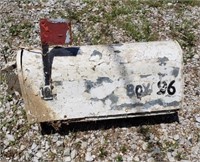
{"points": [[102, 81]]}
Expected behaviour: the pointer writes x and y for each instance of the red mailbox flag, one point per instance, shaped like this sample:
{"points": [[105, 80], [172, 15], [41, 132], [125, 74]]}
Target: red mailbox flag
{"points": [[55, 31]]}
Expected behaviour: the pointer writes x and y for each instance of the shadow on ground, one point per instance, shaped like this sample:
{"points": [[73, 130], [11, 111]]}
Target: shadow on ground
{"points": [[64, 128]]}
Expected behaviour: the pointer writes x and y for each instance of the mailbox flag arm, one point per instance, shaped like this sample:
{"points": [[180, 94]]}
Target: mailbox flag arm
{"points": [[53, 32]]}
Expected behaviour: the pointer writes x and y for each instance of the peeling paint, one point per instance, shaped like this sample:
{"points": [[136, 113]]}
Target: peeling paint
{"points": [[96, 55], [117, 51], [147, 105], [145, 76], [112, 97], [58, 83], [161, 74], [100, 80], [175, 71], [162, 60]]}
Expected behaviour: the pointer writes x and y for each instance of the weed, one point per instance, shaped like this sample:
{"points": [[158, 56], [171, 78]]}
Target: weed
{"points": [[77, 145], [169, 146], [145, 131], [189, 2], [155, 3], [103, 153], [21, 29], [119, 158], [185, 36], [180, 156], [123, 149]]}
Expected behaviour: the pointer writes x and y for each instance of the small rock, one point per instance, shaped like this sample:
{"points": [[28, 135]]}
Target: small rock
{"points": [[6, 142], [10, 137], [129, 158], [197, 119], [195, 150], [136, 158], [156, 150], [67, 159], [198, 125], [176, 137], [169, 4], [174, 153], [22, 147], [47, 146], [151, 160], [1, 110], [35, 159], [67, 152], [55, 139], [88, 156], [144, 146], [170, 158], [39, 154], [73, 154], [33, 146], [89, 149], [196, 56], [133, 147], [4, 129], [84, 145], [58, 143], [54, 151]]}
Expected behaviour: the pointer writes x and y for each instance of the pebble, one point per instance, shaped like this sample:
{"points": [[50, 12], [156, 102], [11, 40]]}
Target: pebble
{"points": [[10, 137], [73, 154], [136, 158], [67, 159], [54, 151], [88, 157], [22, 147], [151, 160], [84, 145], [133, 147], [67, 151], [195, 149], [1, 109], [176, 137], [55, 139], [196, 56], [59, 143], [33, 146], [39, 154], [35, 159], [144, 145], [170, 158], [197, 118]]}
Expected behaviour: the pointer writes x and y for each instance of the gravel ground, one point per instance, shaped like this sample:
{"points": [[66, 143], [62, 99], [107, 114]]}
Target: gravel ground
{"points": [[165, 138]]}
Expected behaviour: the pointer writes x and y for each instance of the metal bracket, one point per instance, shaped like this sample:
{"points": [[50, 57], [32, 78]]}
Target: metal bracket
{"points": [[46, 93]]}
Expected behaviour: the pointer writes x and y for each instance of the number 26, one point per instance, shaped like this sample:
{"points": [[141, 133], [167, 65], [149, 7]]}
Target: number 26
{"points": [[162, 85]]}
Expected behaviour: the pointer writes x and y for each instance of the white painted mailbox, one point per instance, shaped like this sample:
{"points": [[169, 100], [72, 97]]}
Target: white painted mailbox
{"points": [[103, 81]]}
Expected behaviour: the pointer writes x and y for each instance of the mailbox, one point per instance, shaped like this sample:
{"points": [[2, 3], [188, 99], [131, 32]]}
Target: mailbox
{"points": [[103, 81]]}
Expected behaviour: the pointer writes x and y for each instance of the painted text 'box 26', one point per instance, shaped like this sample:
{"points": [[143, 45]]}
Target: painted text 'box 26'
{"points": [[104, 82]]}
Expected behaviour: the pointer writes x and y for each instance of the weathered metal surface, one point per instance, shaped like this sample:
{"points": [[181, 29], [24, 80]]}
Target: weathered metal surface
{"points": [[55, 31], [103, 82]]}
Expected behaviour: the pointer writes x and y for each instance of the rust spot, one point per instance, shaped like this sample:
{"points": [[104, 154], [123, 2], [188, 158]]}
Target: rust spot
{"points": [[37, 110]]}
